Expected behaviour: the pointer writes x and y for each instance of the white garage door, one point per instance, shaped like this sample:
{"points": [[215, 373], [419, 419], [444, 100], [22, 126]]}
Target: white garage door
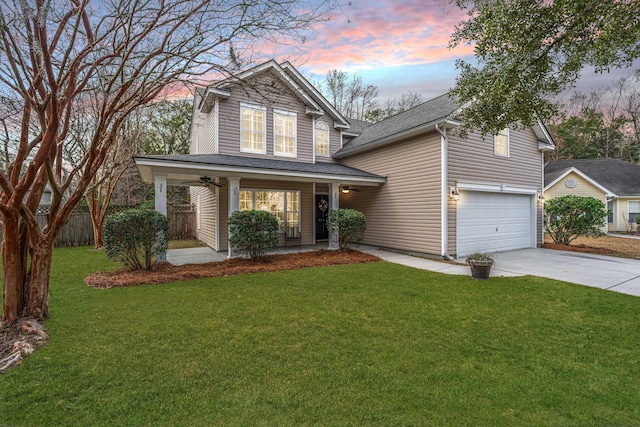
{"points": [[492, 222]]}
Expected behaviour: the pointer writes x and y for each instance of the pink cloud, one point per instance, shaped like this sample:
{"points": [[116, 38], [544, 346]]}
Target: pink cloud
{"points": [[385, 33]]}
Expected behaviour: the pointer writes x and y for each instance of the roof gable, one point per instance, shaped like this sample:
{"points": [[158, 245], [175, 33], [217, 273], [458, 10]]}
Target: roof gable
{"points": [[620, 177], [291, 71], [316, 104], [562, 174]]}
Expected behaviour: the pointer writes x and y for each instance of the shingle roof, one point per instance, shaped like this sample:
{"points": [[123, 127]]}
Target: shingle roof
{"points": [[260, 163], [427, 112], [357, 126], [621, 177]]}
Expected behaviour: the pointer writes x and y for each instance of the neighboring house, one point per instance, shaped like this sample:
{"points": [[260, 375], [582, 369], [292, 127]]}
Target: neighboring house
{"points": [[268, 140], [615, 182], [45, 199]]}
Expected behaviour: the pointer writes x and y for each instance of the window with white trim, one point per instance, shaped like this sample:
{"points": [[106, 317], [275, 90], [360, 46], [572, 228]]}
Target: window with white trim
{"points": [[284, 133], [501, 143], [634, 210], [285, 205], [253, 129], [322, 139], [610, 211]]}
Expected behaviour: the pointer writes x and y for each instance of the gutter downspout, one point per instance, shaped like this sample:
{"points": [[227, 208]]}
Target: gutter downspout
{"points": [[444, 209]]}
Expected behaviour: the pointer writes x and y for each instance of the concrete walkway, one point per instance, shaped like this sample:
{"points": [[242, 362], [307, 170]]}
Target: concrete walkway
{"points": [[206, 254], [611, 273], [624, 236]]}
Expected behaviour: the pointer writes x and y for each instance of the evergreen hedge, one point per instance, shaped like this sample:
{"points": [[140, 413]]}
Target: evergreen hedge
{"points": [[350, 225], [253, 233], [134, 236]]}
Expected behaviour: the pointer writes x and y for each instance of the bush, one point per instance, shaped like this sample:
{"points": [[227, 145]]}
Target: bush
{"points": [[135, 235], [253, 233], [568, 217], [350, 225]]}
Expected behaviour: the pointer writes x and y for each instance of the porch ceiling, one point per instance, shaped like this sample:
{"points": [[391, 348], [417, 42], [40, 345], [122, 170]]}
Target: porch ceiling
{"points": [[189, 167]]}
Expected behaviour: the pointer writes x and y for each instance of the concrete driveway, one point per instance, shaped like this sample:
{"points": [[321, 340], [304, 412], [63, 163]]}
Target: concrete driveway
{"points": [[604, 272]]}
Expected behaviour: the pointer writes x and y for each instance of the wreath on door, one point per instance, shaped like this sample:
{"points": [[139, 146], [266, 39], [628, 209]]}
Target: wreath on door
{"points": [[323, 205]]}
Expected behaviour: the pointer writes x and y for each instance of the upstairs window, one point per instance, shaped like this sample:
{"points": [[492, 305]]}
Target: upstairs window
{"points": [[501, 143], [253, 129], [284, 138], [322, 139]]}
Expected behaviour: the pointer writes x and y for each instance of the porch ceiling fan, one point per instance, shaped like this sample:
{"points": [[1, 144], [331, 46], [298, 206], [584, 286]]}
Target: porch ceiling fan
{"points": [[204, 181], [345, 189]]}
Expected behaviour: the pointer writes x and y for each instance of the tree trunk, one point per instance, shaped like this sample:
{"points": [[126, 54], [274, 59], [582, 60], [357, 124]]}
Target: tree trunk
{"points": [[13, 269], [97, 223], [41, 258]]}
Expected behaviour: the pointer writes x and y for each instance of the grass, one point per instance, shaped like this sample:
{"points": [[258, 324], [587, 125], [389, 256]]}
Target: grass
{"points": [[369, 344]]}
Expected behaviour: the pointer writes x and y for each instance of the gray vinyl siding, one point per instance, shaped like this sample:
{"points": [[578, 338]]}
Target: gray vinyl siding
{"points": [[473, 160], [306, 206], [207, 231], [269, 92], [203, 130], [403, 213]]}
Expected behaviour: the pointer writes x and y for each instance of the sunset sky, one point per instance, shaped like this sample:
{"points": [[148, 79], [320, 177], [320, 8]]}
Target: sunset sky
{"points": [[399, 45]]}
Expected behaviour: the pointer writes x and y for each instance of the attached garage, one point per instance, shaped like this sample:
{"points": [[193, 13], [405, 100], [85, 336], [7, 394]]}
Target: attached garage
{"points": [[494, 222]]}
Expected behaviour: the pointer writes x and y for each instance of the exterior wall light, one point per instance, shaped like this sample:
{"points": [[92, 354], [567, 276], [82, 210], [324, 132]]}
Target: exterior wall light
{"points": [[344, 190], [454, 194]]}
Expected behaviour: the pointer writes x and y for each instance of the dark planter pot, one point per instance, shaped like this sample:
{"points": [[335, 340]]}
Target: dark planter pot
{"points": [[480, 269]]}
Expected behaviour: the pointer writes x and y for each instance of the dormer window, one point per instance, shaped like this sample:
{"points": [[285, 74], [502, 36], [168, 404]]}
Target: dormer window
{"points": [[284, 133], [322, 139], [253, 129], [501, 143]]}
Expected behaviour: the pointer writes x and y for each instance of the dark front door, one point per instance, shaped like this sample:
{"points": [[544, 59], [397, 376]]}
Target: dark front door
{"points": [[322, 211]]}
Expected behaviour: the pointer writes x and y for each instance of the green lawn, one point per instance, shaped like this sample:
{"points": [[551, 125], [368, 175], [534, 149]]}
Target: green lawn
{"points": [[368, 344]]}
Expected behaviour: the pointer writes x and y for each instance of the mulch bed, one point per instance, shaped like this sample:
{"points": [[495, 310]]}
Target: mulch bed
{"points": [[581, 248], [166, 272]]}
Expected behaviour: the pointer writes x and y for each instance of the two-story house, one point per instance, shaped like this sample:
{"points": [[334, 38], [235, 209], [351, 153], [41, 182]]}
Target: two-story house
{"points": [[267, 139]]}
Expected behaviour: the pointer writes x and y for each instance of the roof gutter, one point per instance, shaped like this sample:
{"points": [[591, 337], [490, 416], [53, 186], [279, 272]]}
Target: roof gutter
{"points": [[167, 166]]}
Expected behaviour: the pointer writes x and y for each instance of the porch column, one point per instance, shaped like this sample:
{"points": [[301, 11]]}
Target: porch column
{"points": [[234, 201], [160, 198], [334, 204]]}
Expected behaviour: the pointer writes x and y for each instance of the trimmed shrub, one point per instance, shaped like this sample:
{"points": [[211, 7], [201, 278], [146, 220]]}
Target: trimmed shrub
{"points": [[568, 217], [350, 225], [253, 233], [134, 236]]}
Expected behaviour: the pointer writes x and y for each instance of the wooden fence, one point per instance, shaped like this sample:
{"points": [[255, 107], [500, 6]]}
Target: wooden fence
{"points": [[79, 231]]}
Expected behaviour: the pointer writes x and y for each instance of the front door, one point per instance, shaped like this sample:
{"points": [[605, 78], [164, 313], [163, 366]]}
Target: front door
{"points": [[322, 212]]}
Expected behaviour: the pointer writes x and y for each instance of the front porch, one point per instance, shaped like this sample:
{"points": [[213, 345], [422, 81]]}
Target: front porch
{"points": [[299, 194]]}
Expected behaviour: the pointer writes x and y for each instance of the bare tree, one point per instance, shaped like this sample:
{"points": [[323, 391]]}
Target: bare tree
{"points": [[408, 100], [102, 187], [335, 89], [122, 54], [602, 123], [349, 94], [394, 106]]}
